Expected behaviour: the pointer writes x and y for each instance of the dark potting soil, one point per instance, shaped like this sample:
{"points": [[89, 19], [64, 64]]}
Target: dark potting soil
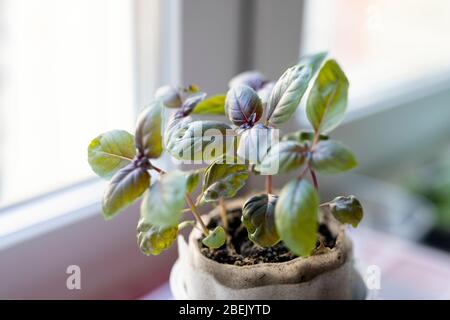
{"points": [[438, 238], [240, 251]]}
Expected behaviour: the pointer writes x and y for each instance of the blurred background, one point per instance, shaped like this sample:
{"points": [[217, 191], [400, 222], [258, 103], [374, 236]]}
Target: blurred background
{"points": [[70, 70]]}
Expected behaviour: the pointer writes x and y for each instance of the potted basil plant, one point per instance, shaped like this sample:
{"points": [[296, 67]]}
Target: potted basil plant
{"points": [[271, 244]]}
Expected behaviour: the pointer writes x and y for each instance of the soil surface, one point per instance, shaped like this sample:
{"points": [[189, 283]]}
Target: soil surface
{"points": [[240, 251]]}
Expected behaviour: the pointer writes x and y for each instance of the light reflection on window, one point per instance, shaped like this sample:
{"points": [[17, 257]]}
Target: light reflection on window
{"points": [[67, 75]]}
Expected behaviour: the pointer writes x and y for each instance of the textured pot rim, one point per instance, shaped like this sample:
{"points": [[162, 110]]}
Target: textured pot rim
{"points": [[300, 269]]}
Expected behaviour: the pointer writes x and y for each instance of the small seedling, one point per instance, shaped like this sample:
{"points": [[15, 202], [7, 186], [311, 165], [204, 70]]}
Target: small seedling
{"points": [[249, 144]]}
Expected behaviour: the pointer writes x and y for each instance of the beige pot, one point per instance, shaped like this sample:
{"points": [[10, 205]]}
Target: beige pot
{"points": [[329, 275]]}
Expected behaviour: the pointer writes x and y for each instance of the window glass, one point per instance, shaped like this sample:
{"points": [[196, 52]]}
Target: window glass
{"points": [[381, 44], [66, 71]]}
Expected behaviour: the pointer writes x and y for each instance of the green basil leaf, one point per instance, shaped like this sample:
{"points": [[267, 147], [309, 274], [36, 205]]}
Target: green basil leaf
{"points": [[163, 203], [258, 217], [220, 169], [327, 100], [148, 131], [215, 239], [110, 152], [214, 105], [186, 223], [332, 157], [303, 136], [200, 140], [192, 180], [290, 88], [126, 185], [170, 96], [243, 106], [152, 240], [296, 216], [223, 180], [225, 188], [347, 210], [283, 157]]}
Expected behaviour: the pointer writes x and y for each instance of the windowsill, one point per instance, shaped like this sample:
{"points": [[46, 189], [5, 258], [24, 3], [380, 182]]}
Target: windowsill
{"points": [[22, 222]]}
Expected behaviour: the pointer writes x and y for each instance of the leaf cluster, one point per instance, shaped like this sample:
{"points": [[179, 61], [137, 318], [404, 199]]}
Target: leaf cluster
{"points": [[254, 106]]}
